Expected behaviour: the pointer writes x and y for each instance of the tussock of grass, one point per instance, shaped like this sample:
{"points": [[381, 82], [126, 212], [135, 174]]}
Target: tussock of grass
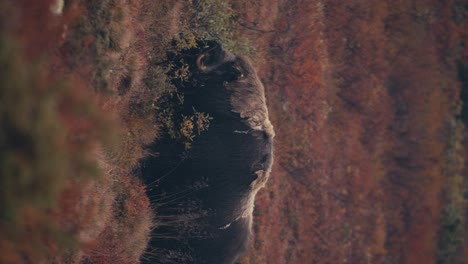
{"points": [[138, 129], [93, 37], [126, 234]]}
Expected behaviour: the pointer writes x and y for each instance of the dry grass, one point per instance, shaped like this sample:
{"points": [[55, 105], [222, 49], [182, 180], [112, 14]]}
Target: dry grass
{"points": [[47, 157], [63, 198], [126, 234]]}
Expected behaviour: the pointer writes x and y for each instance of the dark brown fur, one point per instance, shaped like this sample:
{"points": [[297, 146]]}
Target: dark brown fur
{"points": [[208, 193]]}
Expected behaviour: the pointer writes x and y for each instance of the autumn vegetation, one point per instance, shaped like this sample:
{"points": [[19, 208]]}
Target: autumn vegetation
{"points": [[367, 99], [65, 198], [370, 153]]}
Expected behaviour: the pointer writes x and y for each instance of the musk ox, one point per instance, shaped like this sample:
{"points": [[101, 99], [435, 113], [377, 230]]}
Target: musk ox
{"points": [[204, 197]]}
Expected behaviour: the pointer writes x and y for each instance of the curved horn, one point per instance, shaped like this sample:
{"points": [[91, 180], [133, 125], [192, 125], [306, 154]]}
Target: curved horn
{"points": [[201, 66], [215, 59]]}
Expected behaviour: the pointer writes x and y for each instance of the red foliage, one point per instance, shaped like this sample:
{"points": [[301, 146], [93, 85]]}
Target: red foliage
{"points": [[125, 236], [360, 94]]}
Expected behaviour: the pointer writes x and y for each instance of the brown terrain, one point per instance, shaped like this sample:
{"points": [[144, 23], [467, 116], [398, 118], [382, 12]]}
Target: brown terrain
{"points": [[366, 100]]}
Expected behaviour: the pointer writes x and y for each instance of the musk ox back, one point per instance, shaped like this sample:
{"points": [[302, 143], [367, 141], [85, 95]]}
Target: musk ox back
{"points": [[204, 197]]}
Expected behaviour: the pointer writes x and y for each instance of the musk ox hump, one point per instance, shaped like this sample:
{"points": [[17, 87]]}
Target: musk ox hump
{"points": [[248, 97]]}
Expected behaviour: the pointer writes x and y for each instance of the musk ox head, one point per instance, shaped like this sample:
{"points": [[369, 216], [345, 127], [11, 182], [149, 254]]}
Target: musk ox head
{"points": [[204, 197]]}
